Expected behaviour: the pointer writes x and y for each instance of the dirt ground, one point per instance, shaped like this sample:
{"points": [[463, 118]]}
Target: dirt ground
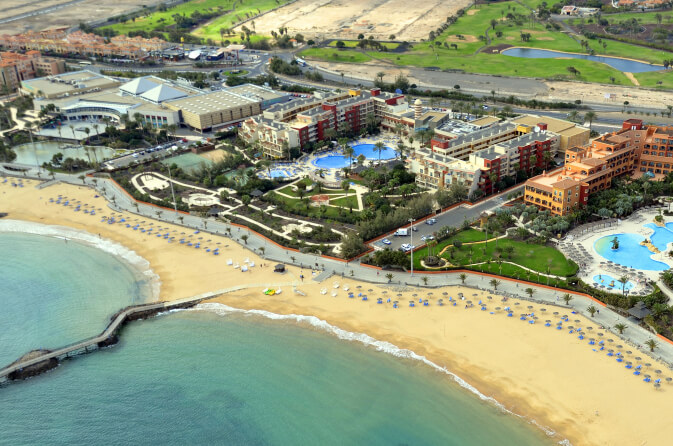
{"points": [[346, 19], [53, 13]]}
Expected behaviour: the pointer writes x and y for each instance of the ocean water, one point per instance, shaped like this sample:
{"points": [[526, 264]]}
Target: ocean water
{"points": [[54, 293], [214, 375], [196, 377]]}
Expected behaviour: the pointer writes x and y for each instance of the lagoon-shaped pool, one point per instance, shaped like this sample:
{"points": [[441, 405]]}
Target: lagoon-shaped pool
{"points": [[611, 283], [630, 252], [339, 161], [625, 65]]}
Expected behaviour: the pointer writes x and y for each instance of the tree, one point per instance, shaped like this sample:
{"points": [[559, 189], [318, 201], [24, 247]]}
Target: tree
{"points": [[494, 283], [425, 280], [493, 23], [351, 244], [623, 280], [567, 298], [379, 147], [621, 327], [590, 116], [244, 237], [592, 310], [530, 292], [340, 44], [652, 344], [389, 276], [463, 276]]}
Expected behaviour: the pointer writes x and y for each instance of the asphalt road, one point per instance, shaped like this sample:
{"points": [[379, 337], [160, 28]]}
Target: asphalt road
{"points": [[453, 217]]}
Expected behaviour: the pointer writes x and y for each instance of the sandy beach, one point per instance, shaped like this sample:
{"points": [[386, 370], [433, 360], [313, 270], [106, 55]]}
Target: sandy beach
{"points": [[535, 371]]}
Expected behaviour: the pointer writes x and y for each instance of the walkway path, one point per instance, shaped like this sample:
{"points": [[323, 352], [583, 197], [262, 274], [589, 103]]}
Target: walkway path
{"points": [[119, 200]]}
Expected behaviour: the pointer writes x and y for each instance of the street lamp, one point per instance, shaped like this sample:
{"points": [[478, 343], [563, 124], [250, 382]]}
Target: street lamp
{"points": [[411, 234]]}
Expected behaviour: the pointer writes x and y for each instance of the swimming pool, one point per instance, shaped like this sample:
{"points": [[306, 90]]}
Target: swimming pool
{"points": [[611, 283], [662, 236], [630, 252], [339, 161]]}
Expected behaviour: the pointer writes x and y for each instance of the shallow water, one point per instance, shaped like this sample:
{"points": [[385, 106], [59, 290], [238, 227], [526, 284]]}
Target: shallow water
{"points": [[196, 377], [624, 65], [215, 376], [56, 292]]}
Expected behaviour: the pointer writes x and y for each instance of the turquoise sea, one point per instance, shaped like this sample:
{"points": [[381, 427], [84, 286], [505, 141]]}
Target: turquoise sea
{"points": [[218, 377]]}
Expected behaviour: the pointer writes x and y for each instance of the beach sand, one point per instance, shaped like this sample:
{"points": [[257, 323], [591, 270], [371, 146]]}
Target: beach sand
{"points": [[539, 372]]}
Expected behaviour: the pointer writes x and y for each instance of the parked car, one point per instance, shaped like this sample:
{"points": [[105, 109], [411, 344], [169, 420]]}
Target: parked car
{"points": [[430, 221], [425, 238], [385, 241]]}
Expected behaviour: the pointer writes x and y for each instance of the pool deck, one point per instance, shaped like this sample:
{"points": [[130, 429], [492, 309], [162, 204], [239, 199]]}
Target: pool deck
{"points": [[579, 246]]}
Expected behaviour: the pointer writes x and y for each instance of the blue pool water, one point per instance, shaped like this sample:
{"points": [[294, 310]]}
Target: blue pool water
{"points": [[606, 280], [279, 173], [630, 252], [340, 161], [625, 65], [662, 236]]}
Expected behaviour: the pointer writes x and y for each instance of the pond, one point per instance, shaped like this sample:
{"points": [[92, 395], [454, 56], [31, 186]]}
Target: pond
{"points": [[44, 151], [625, 65]]}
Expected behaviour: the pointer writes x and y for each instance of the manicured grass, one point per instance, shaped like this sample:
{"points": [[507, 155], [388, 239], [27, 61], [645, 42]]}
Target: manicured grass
{"points": [[652, 78], [329, 211], [465, 58], [347, 202], [354, 44], [253, 7], [335, 55], [535, 257], [465, 236], [642, 17], [208, 31]]}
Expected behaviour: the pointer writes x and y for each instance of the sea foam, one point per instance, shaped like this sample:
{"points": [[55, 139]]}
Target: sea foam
{"points": [[128, 256], [382, 346]]}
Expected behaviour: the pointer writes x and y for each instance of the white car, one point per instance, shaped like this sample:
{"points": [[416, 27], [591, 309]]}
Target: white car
{"points": [[385, 241], [431, 221], [425, 238]]}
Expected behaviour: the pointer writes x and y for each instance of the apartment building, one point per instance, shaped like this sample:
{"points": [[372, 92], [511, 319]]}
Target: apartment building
{"points": [[308, 120], [569, 133], [591, 168], [17, 67], [59, 41]]}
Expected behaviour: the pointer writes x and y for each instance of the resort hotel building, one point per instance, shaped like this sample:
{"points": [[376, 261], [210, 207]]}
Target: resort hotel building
{"points": [[301, 122], [636, 149], [481, 153], [85, 95]]}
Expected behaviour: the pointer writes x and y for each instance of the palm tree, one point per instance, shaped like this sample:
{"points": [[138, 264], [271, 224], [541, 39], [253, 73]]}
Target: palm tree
{"points": [[592, 310], [379, 147], [463, 276], [494, 283], [530, 292], [95, 127], [389, 276], [567, 298], [652, 344], [431, 244], [244, 237], [621, 327], [262, 250], [346, 185], [348, 150], [623, 280], [425, 280], [72, 129], [590, 116]]}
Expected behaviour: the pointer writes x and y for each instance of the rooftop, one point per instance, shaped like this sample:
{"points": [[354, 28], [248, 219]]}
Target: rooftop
{"points": [[553, 124], [526, 139], [256, 92], [210, 102]]}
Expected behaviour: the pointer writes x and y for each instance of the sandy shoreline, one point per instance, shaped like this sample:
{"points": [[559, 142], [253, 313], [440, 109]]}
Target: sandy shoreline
{"points": [[539, 372]]}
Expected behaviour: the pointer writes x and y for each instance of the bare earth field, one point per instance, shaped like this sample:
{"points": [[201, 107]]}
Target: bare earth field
{"points": [[347, 18], [57, 13]]}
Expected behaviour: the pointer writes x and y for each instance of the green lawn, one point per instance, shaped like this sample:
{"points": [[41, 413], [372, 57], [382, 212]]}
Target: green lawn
{"points": [[465, 34], [347, 202], [335, 55], [329, 211], [228, 18], [287, 190], [642, 17], [253, 7], [354, 43], [535, 257]]}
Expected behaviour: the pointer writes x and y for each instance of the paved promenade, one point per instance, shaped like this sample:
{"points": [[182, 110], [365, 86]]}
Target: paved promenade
{"points": [[120, 201]]}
